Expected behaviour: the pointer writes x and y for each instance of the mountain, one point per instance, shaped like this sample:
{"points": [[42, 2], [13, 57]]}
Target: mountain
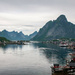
{"points": [[15, 35], [56, 29], [33, 35]]}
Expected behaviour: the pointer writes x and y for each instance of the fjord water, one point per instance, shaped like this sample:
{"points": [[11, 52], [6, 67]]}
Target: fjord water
{"points": [[31, 59]]}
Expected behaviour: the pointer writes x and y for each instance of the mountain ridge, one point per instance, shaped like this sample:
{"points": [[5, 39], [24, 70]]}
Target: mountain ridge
{"points": [[14, 35], [56, 29]]}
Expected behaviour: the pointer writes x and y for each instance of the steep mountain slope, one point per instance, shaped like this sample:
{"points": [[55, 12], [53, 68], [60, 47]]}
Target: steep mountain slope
{"points": [[33, 35], [56, 29]]}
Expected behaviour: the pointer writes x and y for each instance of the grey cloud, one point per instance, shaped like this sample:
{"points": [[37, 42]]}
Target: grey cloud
{"points": [[35, 5], [33, 14]]}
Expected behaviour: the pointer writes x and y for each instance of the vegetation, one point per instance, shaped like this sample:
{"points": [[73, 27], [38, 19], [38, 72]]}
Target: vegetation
{"points": [[72, 39], [2, 39]]}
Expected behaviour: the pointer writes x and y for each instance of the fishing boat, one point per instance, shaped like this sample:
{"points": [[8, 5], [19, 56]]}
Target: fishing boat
{"points": [[62, 44], [69, 68], [56, 68]]}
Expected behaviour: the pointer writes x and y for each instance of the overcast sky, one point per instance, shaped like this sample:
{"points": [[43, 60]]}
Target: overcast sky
{"points": [[30, 15]]}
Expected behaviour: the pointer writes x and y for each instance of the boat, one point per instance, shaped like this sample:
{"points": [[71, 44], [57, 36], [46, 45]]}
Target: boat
{"points": [[62, 44], [69, 68], [56, 68]]}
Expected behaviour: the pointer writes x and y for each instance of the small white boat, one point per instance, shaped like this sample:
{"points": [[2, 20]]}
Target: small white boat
{"points": [[63, 44]]}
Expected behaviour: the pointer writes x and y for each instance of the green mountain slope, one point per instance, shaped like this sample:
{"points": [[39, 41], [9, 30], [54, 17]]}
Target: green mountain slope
{"points": [[2, 39]]}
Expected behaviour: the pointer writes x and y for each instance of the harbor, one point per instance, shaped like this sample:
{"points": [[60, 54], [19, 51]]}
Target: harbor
{"points": [[69, 68]]}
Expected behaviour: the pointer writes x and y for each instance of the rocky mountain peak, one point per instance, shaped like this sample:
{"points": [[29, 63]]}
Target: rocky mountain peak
{"points": [[4, 30], [20, 32], [56, 29], [14, 35], [62, 18]]}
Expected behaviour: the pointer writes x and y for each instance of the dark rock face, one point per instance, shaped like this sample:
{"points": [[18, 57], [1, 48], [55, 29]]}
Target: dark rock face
{"points": [[62, 18], [56, 29]]}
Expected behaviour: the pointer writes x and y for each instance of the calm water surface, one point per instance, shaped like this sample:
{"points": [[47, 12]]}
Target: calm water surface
{"points": [[31, 59]]}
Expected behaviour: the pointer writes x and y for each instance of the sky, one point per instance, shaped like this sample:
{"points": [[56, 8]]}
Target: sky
{"points": [[31, 15]]}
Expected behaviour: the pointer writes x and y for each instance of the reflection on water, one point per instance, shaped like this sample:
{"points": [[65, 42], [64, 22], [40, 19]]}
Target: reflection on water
{"points": [[53, 52], [31, 59]]}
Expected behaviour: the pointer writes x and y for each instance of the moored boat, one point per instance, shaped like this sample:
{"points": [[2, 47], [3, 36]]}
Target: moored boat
{"points": [[56, 68], [69, 68], [62, 44]]}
